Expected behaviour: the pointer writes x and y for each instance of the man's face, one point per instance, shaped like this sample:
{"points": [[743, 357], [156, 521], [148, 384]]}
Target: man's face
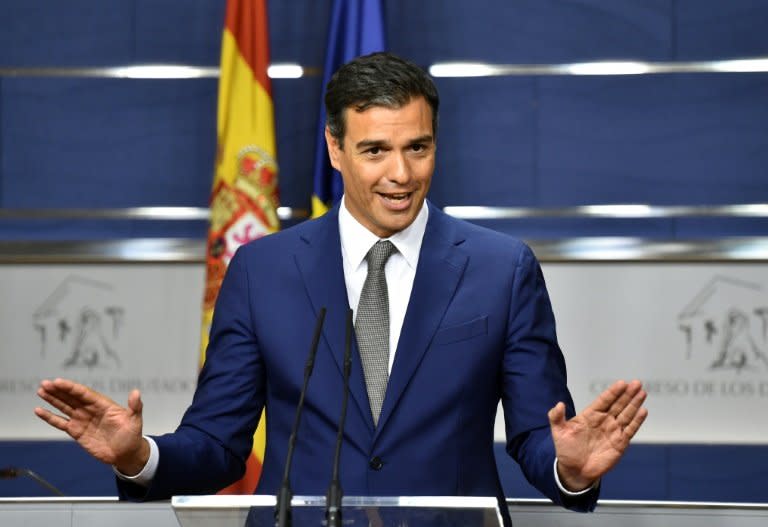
{"points": [[386, 164]]}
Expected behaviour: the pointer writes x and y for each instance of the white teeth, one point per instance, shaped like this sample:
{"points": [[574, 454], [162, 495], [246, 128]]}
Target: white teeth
{"points": [[397, 197]]}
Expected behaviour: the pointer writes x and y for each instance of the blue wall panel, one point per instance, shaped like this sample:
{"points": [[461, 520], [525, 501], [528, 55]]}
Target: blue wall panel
{"points": [[168, 31], [296, 114], [63, 464], [714, 29], [703, 473], [529, 31], [298, 31], [661, 139], [73, 33], [732, 473], [486, 143], [107, 142]]}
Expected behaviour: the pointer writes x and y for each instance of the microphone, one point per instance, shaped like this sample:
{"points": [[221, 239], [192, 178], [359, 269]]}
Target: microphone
{"points": [[283, 506], [333, 498], [14, 472]]}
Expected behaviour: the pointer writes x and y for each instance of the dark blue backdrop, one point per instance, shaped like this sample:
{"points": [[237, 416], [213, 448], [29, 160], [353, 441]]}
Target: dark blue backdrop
{"points": [[519, 141]]}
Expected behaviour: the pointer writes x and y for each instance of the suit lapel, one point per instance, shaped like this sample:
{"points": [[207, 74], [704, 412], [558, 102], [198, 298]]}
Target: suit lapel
{"points": [[320, 264], [441, 265]]}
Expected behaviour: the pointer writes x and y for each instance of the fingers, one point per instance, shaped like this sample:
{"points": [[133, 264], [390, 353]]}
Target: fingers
{"points": [[55, 401], [609, 397], [634, 425], [52, 419], [626, 405], [626, 399], [557, 415], [630, 409], [71, 394], [69, 398], [58, 393], [73, 391], [135, 403], [616, 397]]}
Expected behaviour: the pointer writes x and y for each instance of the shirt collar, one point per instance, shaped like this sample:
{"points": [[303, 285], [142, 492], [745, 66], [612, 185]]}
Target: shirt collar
{"points": [[356, 240]]}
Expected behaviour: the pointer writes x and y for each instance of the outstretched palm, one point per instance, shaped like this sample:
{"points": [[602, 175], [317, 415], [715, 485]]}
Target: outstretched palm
{"points": [[108, 431], [592, 442]]}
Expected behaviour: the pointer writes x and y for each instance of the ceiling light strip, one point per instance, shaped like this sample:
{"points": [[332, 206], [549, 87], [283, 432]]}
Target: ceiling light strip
{"points": [[744, 210], [609, 67], [567, 250], [749, 210], [154, 71], [132, 213], [439, 69]]}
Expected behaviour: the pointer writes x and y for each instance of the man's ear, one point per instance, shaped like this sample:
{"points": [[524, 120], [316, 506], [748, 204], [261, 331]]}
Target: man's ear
{"points": [[333, 149]]}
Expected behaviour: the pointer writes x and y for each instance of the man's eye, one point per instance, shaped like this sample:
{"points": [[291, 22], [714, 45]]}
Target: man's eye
{"points": [[374, 151], [418, 148]]}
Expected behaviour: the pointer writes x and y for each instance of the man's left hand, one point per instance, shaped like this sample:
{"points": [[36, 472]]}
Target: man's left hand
{"points": [[591, 443]]}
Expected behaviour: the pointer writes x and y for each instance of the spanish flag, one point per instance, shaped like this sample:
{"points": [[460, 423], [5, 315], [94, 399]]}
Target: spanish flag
{"points": [[244, 199], [356, 28]]}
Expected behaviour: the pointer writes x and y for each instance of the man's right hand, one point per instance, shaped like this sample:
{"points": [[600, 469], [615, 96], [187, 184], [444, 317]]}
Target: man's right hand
{"points": [[109, 432]]}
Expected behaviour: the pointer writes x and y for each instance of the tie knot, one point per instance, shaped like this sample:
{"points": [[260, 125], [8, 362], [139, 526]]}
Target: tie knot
{"points": [[379, 254]]}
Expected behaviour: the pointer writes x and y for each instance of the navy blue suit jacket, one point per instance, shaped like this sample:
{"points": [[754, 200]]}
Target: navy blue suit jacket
{"points": [[478, 329]]}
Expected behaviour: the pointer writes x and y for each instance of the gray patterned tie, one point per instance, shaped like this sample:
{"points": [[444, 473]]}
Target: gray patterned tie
{"points": [[372, 326]]}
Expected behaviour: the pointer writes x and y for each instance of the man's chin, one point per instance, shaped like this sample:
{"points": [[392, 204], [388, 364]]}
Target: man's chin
{"points": [[397, 222]]}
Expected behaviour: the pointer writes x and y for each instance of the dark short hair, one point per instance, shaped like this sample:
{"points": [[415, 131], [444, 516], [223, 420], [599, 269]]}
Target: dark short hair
{"points": [[378, 79]]}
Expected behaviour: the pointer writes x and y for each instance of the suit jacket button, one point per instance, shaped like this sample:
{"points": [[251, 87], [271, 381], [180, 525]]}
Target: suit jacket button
{"points": [[376, 463]]}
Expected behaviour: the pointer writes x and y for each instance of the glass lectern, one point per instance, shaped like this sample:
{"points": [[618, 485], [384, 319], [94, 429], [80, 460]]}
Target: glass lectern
{"points": [[309, 511]]}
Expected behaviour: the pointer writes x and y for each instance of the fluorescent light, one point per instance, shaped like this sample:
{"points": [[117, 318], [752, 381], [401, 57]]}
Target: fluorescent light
{"points": [[461, 69], [285, 71], [161, 71], [619, 211], [741, 65], [751, 209], [608, 68]]}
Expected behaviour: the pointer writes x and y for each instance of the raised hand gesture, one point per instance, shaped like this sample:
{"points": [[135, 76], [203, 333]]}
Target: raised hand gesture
{"points": [[592, 442], [109, 432]]}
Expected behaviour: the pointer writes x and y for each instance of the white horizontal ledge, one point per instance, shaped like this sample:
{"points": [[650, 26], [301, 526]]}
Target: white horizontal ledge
{"points": [[468, 212], [604, 67], [647, 504], [439, 69], [618, 210], [132, 213], [152, 71], [587, 249]]}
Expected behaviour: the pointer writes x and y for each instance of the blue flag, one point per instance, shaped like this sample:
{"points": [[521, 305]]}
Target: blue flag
{"points": [[356, 28]]}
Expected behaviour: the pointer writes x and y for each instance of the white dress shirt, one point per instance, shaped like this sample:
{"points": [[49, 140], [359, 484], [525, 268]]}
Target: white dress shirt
{"points": [[400, 269]]}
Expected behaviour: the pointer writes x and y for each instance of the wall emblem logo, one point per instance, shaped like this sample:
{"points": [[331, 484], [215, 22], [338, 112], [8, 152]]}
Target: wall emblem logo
{"points": [[79, 325], [726, 324]]}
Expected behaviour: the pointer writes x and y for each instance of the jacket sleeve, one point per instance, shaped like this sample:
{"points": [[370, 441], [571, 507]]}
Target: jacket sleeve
{"points": [[209, 448], [534, 380]]}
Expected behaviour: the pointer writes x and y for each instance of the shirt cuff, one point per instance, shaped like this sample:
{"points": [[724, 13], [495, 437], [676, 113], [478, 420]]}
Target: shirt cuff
{"points": [[569, 492], [147, 474]]}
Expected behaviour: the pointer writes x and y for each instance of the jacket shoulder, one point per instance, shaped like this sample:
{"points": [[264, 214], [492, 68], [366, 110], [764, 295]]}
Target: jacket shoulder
{"points": [[286, 240], [485, 241]]}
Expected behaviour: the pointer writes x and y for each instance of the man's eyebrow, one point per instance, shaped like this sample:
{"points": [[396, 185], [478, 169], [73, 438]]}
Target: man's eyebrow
{"points": [[370, 143], [380, 143], [426, 138]]}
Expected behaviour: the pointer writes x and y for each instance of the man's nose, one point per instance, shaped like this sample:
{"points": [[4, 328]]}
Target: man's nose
{"points": [[400, 171]]}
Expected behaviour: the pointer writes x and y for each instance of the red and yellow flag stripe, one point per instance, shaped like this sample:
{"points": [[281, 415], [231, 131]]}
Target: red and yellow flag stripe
{"points": [[244, 199]]}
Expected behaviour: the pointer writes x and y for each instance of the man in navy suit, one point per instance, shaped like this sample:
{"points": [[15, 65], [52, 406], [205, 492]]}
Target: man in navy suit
{"points": [[470, 324]]}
